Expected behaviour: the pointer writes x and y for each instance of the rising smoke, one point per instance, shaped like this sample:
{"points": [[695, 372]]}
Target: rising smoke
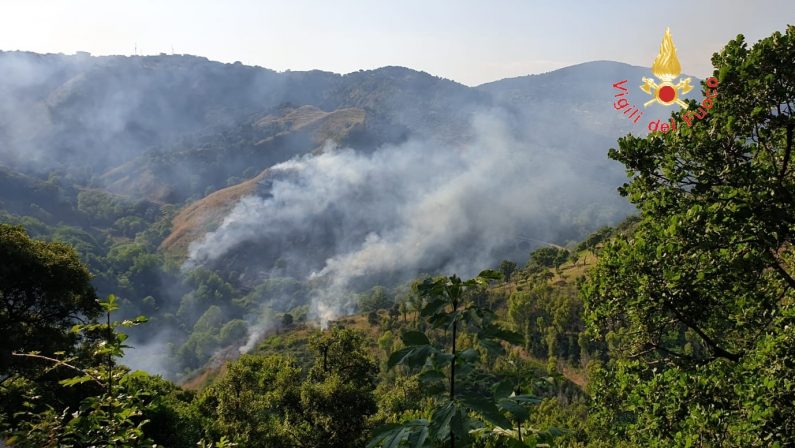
{"points": [[411, 208]]}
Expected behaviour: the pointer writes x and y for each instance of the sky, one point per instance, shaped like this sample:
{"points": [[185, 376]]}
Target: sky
{"points": [[469, 41]]}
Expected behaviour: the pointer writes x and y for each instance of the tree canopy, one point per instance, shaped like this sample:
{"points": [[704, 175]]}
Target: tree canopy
{"points": [[44, 290], [694, 304]]}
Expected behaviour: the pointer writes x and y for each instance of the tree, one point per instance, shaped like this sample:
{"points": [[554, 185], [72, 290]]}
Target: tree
{"points": [[452, 422], [248, 403], [110, 418], [507, 268], [549, 256], [337, 397], [694, 304], [376, 299], [373, 319], [545, 256], [287, 320], [44, 290]]}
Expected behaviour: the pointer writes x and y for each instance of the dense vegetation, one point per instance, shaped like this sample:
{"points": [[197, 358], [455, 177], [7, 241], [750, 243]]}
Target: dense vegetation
{"points": [[673, 329]]}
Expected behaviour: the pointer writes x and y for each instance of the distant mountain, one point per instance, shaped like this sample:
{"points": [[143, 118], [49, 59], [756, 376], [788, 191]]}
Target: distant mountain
{"points": [[88, 115]]}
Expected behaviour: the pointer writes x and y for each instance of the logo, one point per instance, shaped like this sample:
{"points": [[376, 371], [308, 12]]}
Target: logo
{"points": [[666, 91], [666, 68]]}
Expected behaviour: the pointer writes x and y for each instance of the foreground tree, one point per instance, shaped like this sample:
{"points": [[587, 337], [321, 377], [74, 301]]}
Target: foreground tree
{"points": [[44, 290], [111, 417], [269, 401], [464, 410], [697, 305]]}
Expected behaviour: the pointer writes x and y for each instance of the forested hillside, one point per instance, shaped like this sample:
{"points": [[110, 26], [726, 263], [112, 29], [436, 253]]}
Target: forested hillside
{"points": [[389, 259]]}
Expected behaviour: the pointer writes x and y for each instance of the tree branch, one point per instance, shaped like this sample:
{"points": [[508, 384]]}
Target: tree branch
{"points": [[783, 272], [58, 362], [719, 351], [787, 152]]}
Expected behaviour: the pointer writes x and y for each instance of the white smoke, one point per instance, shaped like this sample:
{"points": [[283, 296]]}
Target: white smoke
{"points": [[257, 330], [411, 207]]}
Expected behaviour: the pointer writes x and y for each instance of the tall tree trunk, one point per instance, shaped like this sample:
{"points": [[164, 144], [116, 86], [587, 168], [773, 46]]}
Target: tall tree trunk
{"points": [[452, 370]]}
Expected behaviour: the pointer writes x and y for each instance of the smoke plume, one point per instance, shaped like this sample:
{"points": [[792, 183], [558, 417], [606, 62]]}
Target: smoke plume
{"points": [[416, 207]]}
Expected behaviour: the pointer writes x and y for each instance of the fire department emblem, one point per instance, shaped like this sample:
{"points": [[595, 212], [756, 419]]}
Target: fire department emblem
{"points": [[666, 69]]}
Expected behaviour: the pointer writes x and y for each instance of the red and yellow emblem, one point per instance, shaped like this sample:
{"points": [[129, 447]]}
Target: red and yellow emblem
{"points": [[666, 68]]}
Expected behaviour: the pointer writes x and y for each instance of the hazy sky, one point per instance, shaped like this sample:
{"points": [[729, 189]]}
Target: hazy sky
{"points": [[469, 41]]}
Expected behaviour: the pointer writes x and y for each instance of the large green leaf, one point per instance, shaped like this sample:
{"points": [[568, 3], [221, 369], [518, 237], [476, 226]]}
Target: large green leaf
{"points": [[469, 355], [430, 376], [418, 438], [433, 307], [414, 337], [440, 421], [495, 332], [417, 357], [397, 357], [503, 389], [488, 410], [493, 347], [518, 411], [388, 436]]}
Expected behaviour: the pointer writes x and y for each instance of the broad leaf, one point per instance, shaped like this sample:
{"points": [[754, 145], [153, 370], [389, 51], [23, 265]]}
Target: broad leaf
{"points": [[433, 307], [503, 389], [517, 410], [414, 337], [430, 376], [469, 355], [487, 410], [397, 357], [440, 421]]}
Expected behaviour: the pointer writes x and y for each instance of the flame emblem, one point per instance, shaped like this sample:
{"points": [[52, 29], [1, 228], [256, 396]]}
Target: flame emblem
{"points": [[666, 68]]}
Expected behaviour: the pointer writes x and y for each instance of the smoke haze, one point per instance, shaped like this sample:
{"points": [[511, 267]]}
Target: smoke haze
{"points": [[416, 207]]}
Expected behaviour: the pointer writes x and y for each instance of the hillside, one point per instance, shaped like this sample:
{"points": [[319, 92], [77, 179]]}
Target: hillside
{"points": [[201, 167], [293, 339], [154, 154]]}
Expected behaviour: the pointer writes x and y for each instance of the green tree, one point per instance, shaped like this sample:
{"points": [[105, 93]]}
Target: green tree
{"points": [[44, 290], [549, 256], [507, 268], [376, 299], [248, 403], [373, 318], [452, 422], [694, 304], [337, 397], [112, 418]]}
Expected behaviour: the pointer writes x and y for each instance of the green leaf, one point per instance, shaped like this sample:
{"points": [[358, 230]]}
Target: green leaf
{"points": [[469, 355], [69, 382], [493, 347], [389, 435], [458, 426], [397, 357], [417, 356], [417, 438], [503, 389], [433, 307], [430, 376], [440, 421], [495, 332], [488, 410], [414, 338], [518, 411], [530, 399]]}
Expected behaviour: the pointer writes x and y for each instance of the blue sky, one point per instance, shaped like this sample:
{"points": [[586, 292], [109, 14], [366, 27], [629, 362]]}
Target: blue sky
{"points": [[469, 41]]}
